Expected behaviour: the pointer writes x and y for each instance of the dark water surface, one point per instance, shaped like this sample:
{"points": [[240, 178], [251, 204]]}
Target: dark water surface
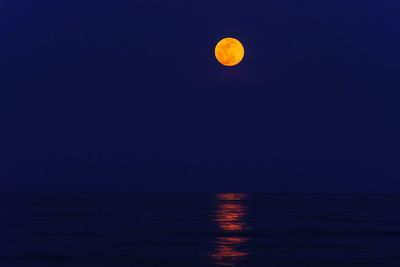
{"points": [[124, 229]]}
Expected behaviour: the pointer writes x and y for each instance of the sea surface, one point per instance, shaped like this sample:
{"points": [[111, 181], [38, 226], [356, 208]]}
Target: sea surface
{"points": [[175, 229]]}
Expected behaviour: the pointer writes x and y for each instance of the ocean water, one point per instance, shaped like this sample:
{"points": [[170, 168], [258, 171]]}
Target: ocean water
{"points": [[226, 229]]}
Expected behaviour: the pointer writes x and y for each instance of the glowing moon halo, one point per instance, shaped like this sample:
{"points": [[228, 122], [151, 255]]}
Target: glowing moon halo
{"points": [[229, 52]]}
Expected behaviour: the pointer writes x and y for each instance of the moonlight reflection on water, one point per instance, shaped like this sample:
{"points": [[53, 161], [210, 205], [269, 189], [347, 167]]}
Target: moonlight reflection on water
{"points": [[230, 217]]}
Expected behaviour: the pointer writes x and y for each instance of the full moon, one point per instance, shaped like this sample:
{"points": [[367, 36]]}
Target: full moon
{"points": [[229, 51]]}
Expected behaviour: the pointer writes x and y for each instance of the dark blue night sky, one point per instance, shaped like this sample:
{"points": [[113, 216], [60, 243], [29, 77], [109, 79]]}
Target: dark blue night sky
{"points": [[127, 95]]}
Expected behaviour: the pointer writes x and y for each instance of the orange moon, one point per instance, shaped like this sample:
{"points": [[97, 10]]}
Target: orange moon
{"points": [[229, 52]]}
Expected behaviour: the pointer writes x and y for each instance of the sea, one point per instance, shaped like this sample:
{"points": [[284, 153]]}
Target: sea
{"points": [[195, 229]]}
